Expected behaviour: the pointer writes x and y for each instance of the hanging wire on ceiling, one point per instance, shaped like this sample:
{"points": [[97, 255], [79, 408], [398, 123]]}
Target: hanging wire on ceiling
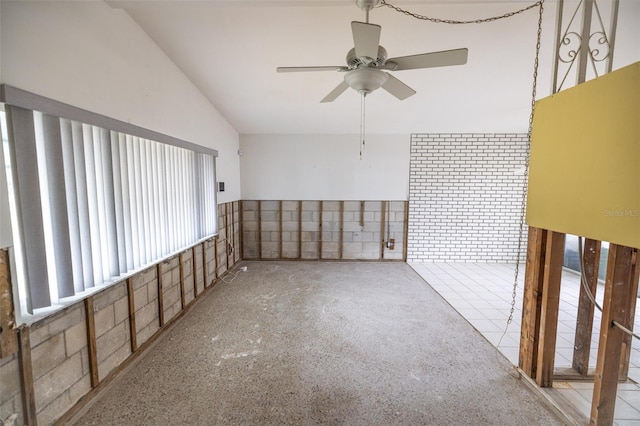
{"points": [[540, 5], [592, 299]]}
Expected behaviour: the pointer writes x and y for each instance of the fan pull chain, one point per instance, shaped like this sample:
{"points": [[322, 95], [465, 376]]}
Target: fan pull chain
{"points": [[362, 124]]}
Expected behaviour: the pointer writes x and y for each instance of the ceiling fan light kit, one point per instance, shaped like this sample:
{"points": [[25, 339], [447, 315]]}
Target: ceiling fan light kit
{"points": [[367, 62]]}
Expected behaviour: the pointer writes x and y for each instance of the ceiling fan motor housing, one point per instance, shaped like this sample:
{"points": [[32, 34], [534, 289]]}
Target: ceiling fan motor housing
{"points": [[353, 61]]}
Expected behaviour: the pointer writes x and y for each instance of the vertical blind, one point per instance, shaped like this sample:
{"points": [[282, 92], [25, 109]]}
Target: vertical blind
{"points": [[93, 204]]}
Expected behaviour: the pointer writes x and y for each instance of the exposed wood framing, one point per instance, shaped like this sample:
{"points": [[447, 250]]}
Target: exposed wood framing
{"points": [[194, 264], [215, 255], [233, 232], [132, 316], [530, 328], [584, 322], [633, 299], [405, 247], [614, 308], [320, 208], [226, 233], [382, 223], [183, 302], [205, 275], [341, 230], [280, 229], [91, 341], [241, 227], [160, 296], [362, 214], [299, 229], [550, 305], [259, 229], [26, 378], [8, 333]]}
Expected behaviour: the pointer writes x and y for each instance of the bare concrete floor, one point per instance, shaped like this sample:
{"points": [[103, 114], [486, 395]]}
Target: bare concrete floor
{"points": [[305, 343]]}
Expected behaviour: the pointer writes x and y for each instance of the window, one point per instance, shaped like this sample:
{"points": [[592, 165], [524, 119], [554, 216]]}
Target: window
{"points": [[93, 200]]}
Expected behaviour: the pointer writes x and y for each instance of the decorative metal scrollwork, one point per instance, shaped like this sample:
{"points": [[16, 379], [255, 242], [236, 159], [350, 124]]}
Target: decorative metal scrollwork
{"points": [[569, 50]]}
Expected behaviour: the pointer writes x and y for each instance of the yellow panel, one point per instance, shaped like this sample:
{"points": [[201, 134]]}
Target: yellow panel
{"points": [[584, 176]]}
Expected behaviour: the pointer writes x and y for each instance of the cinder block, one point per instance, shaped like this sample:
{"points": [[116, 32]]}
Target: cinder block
{"points": [[50, 386], [10, 379], [75, 338], [111, 341], [290, 205]]}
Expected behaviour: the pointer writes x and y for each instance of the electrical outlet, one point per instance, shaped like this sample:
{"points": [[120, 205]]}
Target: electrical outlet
{"points": [[391, 244]]}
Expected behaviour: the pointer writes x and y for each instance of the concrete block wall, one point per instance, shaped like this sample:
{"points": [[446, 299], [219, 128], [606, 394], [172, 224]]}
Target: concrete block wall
{"points": [[124, 319], [465, 194], [349, 230]]}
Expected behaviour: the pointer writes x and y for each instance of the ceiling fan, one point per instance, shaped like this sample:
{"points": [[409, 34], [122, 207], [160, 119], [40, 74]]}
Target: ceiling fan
{"points": [[367, 62]]}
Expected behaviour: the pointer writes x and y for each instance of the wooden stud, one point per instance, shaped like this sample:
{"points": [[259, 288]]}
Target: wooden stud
{"points": [[194, 263], [160, 296], [382, 223], [550, 305], [132, 316], [91, 341], [405, 245], [618, 280], [8, 332], [340, 249], [259, 229], [233, 232], [320, 208], [362, 214], [280, 231], [205, 275], [241, 227], [26, 378], [215, 253], [534, 274], [584, 321], [226, 232], [299, 229], [183, 302], [631, 310]]}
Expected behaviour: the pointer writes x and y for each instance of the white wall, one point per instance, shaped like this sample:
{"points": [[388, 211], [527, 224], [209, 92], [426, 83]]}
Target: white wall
{"points": [[94, 57], [324, 167]]}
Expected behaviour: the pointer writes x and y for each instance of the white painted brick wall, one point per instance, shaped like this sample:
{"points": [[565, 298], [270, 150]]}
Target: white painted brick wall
{"points": [[465, 193]]}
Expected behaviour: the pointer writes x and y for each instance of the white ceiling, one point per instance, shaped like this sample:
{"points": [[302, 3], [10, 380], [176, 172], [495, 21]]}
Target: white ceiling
{"points": [[230, 51]]}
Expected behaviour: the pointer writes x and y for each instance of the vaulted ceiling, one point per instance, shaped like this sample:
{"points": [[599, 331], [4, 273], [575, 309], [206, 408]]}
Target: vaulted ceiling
{"points": [[230, 51]]}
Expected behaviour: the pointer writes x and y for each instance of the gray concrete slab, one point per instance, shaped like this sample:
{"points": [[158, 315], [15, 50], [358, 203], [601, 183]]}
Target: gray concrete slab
{"points": [[305, 343]]}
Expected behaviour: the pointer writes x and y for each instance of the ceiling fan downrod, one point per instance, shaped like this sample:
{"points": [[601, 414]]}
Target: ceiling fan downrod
{"points": [[367, 5]]}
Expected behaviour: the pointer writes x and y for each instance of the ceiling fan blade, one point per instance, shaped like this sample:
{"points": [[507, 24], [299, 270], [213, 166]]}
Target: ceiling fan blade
{"points": [[428, 60], [305, 69], [366, 38], [397, 88], [336, 92]]}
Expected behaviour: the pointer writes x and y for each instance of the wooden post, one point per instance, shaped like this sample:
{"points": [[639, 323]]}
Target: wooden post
{"points": [[341, 230], [362, 214], [241, 227], [405, 245], [550, 305], [160, 296], [382, 236], [26, 378], [320, 208], [632, 298], [584, 322], [614, 308], [8, 332], [193, 271], [182, 298], [91, 341], [534, 274], [132, 316], [280, 231], [259, 229], [215, 254], [205, 276], [226, 232], [299, 229]]}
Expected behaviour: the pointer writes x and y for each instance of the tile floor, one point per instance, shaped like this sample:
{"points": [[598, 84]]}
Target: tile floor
{"points": [[482, 293]]}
